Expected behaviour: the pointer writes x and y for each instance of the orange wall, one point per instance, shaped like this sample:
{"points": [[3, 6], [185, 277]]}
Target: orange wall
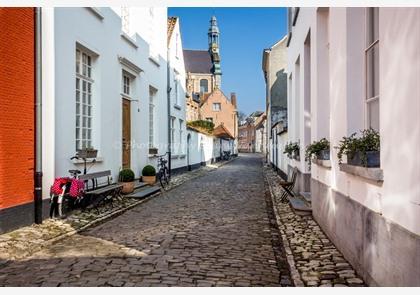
{"points": [[227, 115], [17, 80]]}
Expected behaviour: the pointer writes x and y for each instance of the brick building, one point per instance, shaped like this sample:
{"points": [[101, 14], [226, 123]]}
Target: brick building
{"points": [[17, 130]]}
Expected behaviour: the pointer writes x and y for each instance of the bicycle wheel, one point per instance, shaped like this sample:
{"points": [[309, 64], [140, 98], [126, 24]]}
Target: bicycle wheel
{"points": [[161, 178], [167, 177]]}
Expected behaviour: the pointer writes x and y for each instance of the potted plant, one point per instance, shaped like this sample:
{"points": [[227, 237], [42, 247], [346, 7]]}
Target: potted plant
{"points": [[126, 177], [296, 151], [87, 153], [288, 150], [149, 174], [320, 149], [361, 151]]}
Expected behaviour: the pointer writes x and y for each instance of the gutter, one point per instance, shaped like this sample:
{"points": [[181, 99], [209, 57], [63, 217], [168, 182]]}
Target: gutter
{"points": [[38, 119]]}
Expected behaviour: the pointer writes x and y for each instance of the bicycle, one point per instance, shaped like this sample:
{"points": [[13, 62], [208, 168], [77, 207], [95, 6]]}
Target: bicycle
{"points": [[226, 156], [163, 173]]}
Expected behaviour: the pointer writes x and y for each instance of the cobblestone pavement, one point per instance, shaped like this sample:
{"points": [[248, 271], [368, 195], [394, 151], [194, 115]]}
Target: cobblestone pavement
{"points": [[215, 230], [25, 241], [313, 259]]}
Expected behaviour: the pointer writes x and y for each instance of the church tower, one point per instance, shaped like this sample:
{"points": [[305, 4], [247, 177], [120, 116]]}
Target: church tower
{"points": [[214, 51]]}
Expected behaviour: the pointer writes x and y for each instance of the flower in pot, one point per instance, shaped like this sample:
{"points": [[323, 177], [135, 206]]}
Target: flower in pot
{"points": [[126, 177], [288, 150], [320, 149], [361, 151], [296, 151], [149, 174]]}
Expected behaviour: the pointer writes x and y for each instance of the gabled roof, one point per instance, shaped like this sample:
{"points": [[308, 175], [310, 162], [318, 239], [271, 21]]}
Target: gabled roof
{"points": [[197, 61], [171, 26], [221, 132]]}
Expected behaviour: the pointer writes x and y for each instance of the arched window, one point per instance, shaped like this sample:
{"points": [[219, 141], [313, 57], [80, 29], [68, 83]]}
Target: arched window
{"points": [[204, 85]]}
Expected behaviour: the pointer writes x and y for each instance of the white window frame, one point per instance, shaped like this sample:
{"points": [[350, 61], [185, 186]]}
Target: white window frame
{"points": [[181, 130], [372, 46], [126, 84], [173, 119], [84, 99], [176, 90], [217, 109], [152, 96]]}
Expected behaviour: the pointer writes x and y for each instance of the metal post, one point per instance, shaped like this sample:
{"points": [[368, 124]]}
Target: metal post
{"points": [[38, 119]]}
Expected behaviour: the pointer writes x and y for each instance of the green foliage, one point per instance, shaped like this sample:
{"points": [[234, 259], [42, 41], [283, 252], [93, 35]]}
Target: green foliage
{"points": [[369, 141], [203, 124], [315, 148], [148, 170], [126, 175], [291, 149]]}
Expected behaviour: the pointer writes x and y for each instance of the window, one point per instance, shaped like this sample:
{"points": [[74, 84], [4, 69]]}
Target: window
{"points": [[217, 107], [181, 130], [152, 94], [176, 90], [372, 67], [172, 134], [84, 86], [204, 86], [176, 46], [209, 119], [126, 84]]}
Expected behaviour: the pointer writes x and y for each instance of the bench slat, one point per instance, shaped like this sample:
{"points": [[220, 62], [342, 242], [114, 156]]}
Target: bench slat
{"points": [[104, 189], [95, 175]]}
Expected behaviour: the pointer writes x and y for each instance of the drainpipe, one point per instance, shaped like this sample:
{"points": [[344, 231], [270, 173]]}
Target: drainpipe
{"points": [[168, 92], [38, 119]]}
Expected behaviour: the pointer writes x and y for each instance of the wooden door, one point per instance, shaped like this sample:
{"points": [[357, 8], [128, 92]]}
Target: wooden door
{"points": [[126, 133]]}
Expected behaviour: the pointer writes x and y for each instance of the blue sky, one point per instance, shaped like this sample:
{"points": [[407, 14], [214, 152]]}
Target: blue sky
{"points": [[245, 32]]}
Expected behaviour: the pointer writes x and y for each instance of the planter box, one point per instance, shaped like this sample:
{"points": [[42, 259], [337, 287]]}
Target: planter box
{"points": [[372, 159], [323, 155], [149, 179], [86, 154], [153, 151], [128, 187]]}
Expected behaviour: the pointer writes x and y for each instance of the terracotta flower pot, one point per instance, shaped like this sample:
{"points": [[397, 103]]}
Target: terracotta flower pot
{"points": [[128, 187], [149, 179]]}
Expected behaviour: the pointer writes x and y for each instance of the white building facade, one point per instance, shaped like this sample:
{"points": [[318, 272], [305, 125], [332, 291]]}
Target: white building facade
{"points": [[177, 87], [109, 88], [351, 69]]}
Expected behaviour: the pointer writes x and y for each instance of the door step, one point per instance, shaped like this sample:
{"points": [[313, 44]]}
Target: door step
{"points": [[138, 185], [299, 205], [144, 192], [306, 196]]}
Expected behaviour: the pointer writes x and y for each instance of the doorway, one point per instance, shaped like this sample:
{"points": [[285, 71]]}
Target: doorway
{"points": [[126, 133], [188, 152]]}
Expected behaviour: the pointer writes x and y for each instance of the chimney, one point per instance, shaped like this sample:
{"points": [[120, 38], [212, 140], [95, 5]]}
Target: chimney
{"points": [[233, 98]]}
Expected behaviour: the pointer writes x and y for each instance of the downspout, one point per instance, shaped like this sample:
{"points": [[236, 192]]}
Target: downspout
{"points": [[38, 119], [168, 92]]}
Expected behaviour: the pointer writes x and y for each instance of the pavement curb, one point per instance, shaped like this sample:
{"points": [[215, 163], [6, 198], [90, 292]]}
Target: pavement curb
{"points": [[294, 273]]}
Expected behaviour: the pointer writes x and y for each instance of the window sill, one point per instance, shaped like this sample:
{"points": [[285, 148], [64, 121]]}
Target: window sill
{"points": [[154, 61], [79, 161], [178, 107], [322, 163], [174, 156], [375, 174]]}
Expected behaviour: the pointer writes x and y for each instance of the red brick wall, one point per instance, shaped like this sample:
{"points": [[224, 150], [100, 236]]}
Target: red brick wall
{"points": [[17, 80]]}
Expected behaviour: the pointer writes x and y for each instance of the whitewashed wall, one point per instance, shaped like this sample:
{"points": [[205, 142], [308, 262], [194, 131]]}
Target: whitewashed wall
{"points": [[200, 148], [177, 68], [100, 31], [362, 216]]}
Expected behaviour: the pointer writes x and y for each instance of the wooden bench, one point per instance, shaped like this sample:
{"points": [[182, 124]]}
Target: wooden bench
{"points": [[288, 186], [98, 192]]}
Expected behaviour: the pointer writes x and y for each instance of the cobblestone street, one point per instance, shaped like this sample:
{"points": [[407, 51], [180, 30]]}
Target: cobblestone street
{"points": [[215, 230]]}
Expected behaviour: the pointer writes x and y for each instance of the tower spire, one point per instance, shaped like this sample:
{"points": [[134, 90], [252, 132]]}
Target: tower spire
{"points": [[213, 35]]}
